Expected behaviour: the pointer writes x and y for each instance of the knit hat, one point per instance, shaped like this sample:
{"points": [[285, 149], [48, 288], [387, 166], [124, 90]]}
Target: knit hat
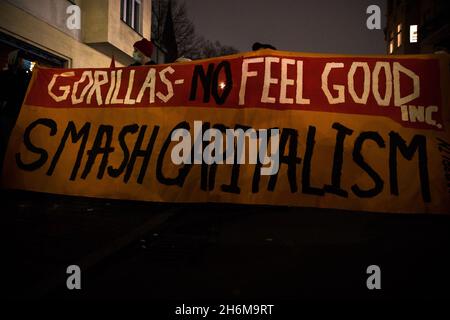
{"points": [[258, 46], [144, 46]]}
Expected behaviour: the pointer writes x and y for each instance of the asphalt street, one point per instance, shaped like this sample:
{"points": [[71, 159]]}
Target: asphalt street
{"points": [[160, 251]]}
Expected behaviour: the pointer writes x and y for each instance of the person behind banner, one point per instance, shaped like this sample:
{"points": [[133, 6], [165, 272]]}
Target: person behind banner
{"points": [[13, 86], [258, 46], [142, 53], [183, 59]]}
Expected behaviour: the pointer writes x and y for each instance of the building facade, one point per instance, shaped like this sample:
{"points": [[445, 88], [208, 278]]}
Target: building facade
{"points": [[73, 34], [417, 26]]}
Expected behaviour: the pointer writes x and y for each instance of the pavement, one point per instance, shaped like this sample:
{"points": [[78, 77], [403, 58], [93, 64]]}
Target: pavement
{"points": [[176, 252]]}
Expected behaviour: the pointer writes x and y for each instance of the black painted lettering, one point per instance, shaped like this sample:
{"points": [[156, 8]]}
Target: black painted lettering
{"points": [[418, 144], [43, 155], [335, 187], [359, 159]]}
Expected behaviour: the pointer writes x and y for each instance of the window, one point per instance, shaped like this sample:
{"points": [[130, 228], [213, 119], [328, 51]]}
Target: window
{"points": [[131, 13], [391, 43], [34, 54], [399, 35], [413, 33]]}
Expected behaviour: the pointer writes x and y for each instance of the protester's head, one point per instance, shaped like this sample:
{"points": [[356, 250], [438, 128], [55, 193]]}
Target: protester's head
{"points": [[143, 50], [17, 60], [258, 46], [183, 59], [441, 49]]}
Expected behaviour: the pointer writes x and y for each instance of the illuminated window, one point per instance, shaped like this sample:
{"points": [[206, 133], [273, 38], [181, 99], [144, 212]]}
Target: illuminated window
{"points": [[413, 33], [399, 35], [391, 42]]}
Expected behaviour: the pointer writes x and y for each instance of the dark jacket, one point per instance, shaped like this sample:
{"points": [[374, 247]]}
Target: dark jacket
{"points": [[13, 87], [136, 64]]}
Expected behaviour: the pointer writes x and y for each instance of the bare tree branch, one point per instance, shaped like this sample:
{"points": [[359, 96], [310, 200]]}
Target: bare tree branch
{"points": [[189, 44]]}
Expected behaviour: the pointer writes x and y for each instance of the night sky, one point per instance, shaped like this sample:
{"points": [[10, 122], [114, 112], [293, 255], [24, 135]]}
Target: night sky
{"points": [[293, 25]]}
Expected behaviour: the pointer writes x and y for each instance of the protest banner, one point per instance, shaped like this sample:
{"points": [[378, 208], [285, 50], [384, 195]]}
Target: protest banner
{"points": [[367, 133]]}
